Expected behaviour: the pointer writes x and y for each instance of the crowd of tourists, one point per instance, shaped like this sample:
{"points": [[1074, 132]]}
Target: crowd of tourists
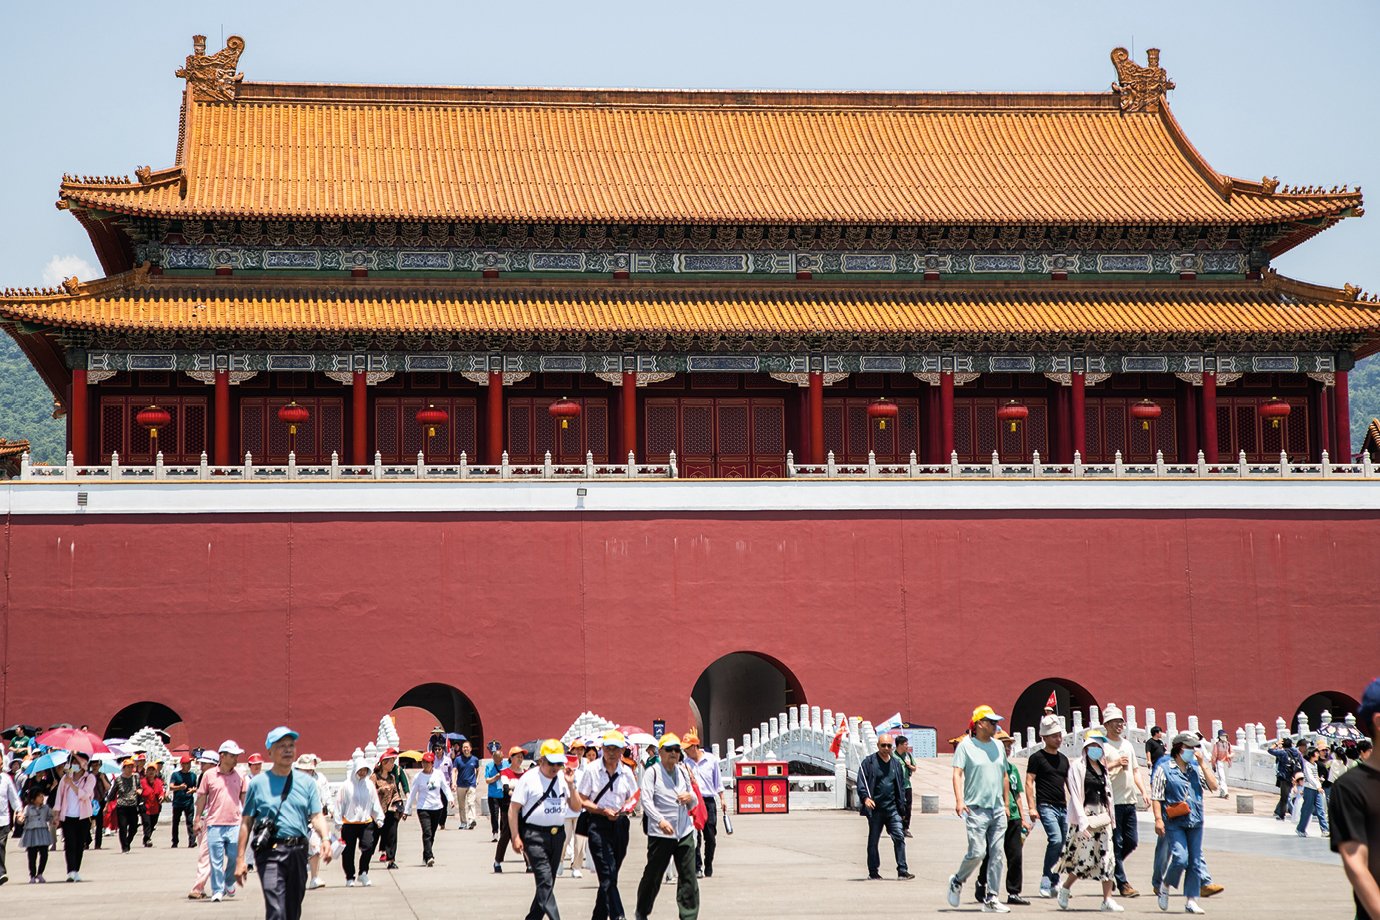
{"points": [[571, 809], [1087, 806]]}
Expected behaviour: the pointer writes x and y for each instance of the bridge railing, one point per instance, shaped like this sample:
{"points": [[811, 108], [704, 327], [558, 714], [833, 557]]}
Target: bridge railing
{"points": [[1252, 765]]}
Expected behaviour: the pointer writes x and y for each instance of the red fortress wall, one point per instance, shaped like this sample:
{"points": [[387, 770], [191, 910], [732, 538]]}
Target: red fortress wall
{"points": [[324, 621]]}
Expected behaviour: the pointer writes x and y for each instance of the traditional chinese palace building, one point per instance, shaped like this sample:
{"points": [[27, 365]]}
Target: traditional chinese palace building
{"points": [[726, 276]]}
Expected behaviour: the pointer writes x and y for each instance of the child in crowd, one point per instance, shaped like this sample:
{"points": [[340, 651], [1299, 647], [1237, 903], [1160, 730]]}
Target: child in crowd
{"points": [[39, 824], [1296, 797]]}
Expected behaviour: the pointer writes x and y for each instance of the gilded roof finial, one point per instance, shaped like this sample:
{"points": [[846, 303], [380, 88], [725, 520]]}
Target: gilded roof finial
{"points": [[1141, 89], [213, 76]]}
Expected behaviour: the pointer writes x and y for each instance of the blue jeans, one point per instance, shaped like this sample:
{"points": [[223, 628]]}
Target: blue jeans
{"points": [[1185, 856], [986, 841], [222, 842], [1056, 824], [1125, 839], [1307, 807], [1161, 861], [891, 820]]}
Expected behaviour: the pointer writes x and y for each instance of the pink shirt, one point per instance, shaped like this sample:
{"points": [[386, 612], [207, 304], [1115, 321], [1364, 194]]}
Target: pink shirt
{"points": [[224, 796]]}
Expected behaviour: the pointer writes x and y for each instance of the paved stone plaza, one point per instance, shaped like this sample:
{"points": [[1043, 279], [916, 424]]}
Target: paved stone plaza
{"points": [[808, 864]]}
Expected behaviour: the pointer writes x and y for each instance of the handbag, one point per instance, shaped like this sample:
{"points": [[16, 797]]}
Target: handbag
{"points": [[1177, 810], [1099, 822]]}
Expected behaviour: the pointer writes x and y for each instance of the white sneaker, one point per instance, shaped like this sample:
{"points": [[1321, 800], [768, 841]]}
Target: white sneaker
{"points": [[955, 892], [1046, 891], [993, 906], [1192, 908], [215, 897], [349, 883], [315, 883], [576, 873], [76, 876], [1163, 897], [1063, 898], [364, 880], [1113, 907]]}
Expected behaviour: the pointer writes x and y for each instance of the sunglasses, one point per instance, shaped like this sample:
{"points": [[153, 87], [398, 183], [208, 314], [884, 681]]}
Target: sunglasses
{"points": [[886, 745], [673, 750]]}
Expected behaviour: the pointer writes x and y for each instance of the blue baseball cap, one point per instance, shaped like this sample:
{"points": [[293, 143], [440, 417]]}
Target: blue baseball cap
{"points": [[1370, 706], [279, 733]]}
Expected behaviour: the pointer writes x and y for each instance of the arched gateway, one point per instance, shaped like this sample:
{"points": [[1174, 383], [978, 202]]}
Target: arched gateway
{"points": [[739, 691]]}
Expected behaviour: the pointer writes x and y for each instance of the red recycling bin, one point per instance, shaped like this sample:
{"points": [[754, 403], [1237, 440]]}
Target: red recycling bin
{"points": [[762, 787]]}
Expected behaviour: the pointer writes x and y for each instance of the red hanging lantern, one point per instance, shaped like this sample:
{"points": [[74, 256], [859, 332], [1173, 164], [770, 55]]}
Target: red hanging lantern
{"points": [[293, 415], [1274, 410], [565, 410], [882, 411], [1012, 412], [1147, 412], [432, 417], [153, 418]]}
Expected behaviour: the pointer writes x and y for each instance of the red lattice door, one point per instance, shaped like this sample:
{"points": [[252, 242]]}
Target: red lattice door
{"points": [[532, 431], [1240, 427], [181, 442]]}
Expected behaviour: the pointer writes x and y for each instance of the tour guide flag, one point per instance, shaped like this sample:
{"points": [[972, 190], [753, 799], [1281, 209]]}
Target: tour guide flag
{"points": [[1052, 702], [839, 737]]}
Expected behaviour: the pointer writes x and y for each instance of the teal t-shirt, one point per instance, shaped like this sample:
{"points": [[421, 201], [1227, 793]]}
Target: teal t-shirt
{"points": [[302, 802], [984, 773]]}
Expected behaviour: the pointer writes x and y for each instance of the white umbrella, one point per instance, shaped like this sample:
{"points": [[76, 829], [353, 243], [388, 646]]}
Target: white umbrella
{"points": [[641, 739]]}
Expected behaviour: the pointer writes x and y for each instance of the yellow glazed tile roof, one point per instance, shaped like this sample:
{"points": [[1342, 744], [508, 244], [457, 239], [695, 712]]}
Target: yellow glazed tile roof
{"points": [[1274, 306], [548, 156]]}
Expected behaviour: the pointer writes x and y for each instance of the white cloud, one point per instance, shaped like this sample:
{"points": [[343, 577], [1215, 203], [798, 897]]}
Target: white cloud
{"points": [[60, 268]]}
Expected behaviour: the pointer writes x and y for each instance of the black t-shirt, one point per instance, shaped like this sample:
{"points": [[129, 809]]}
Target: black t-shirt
{"points": [[1353, 810], [1051, 773], [1154, 750], [1095, 787]]}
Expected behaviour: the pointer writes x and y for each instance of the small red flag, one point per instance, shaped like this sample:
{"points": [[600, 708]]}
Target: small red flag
{"points": [[839, 736], [1052, 702]]}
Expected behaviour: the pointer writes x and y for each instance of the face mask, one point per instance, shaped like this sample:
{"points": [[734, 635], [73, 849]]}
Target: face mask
{"points": [[1094, 753]]}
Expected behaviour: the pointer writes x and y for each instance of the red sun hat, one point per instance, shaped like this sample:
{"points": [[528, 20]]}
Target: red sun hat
{"points": [[428, 757], [256, 758]]}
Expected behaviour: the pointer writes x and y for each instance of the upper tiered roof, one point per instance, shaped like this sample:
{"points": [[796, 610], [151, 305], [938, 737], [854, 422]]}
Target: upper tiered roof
{"points": [[341, 152]]}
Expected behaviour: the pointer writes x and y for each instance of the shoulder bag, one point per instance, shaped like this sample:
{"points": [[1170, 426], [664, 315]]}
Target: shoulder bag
{"points": [[522, 818], [264, 830], [582, 822]]}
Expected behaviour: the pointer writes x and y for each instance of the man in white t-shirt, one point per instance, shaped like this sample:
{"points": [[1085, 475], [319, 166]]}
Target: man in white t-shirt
{"points": [[1128, 790], [542, 799]]}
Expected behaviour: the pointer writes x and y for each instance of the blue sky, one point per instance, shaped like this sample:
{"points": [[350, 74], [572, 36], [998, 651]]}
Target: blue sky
{"points": [[1264, 88]]}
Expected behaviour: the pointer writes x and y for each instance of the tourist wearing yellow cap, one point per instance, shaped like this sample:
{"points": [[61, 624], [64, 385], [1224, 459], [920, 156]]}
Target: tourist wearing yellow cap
{"points": [[536, 818], [668, 795], [607, 787], [706, 769], [980, 797]]}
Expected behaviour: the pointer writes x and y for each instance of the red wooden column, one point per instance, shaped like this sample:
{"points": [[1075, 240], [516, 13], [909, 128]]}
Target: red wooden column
{"points": [[359, 419], [1322, 409], [805, 451], [1080, 416], [493, 415], [1341, 428], [221, 445], [81, 426], [1209, 417], [946, 415], [628, 403], [816, 417]]}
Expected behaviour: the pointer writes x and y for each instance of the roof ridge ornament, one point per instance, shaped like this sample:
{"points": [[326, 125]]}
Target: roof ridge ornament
{"points": [[213, 77], [1141, 89]]}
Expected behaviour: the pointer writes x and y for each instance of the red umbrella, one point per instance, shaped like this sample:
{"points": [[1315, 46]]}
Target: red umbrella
{"points": [[74, 740], [632, 730]]}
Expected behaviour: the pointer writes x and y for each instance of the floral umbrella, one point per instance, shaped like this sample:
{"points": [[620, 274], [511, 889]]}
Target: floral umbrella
{"points": [[1340, 731]]}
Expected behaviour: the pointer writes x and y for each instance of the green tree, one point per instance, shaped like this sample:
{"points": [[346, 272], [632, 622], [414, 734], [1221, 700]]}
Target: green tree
{"points": [[26, 406]]}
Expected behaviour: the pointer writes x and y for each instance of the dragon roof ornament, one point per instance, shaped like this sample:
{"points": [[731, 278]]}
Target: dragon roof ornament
{"points": [[213, 77], [1141, 89]]}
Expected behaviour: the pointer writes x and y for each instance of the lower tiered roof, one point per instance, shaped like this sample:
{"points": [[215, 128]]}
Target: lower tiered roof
{"points": [[138, 302]]}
